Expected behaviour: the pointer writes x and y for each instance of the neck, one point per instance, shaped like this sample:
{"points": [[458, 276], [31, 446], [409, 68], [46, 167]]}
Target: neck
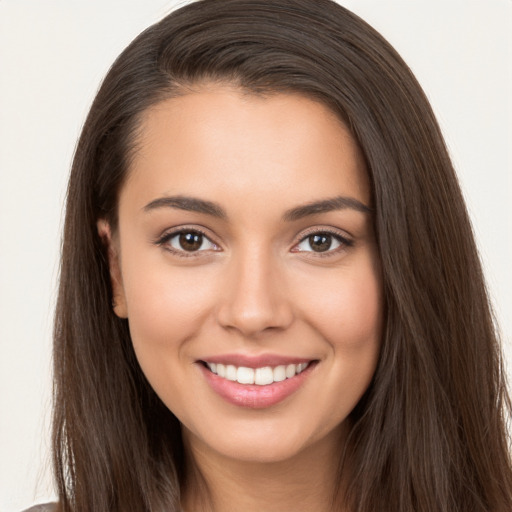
{"points": [[307, 481]]}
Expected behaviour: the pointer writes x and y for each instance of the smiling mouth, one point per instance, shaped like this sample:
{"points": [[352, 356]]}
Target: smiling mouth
{"points": [[260, 376], [256, 384]]}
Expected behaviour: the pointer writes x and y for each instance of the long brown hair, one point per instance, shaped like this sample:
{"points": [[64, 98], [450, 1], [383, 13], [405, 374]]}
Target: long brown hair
{"points": [[430, 432]]}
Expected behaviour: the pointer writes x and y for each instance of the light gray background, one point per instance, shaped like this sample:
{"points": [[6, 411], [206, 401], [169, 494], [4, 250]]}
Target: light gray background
{"points": [[53, 55]]}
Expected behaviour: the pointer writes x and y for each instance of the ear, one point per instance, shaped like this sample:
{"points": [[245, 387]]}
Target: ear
{"points": [[116, 281]]}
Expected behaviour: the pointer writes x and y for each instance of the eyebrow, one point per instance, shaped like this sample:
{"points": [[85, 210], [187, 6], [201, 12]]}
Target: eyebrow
{"points": [[325, 205], [194, 204], [190, 204]]}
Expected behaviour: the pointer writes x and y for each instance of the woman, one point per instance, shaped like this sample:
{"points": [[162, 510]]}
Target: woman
{"points": [[270, 292]]}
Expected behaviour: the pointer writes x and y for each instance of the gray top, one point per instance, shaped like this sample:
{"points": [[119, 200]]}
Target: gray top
{"points": [[47, 507]]}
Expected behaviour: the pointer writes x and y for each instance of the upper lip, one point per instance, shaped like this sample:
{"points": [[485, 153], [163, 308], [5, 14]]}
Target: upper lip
{"points": [[255, 361]]}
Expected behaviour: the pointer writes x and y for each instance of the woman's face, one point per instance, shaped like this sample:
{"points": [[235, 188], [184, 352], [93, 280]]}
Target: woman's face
{"points": [[246, 264]]}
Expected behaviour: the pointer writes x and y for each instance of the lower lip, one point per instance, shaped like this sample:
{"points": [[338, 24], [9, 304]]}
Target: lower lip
{"points": [[252, 395]]}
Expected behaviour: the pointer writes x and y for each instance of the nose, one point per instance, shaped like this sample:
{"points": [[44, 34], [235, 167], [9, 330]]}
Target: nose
{"points": [[255, 298]]}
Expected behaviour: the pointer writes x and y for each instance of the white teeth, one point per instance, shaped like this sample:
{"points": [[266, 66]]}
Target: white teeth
{"points": [[291, 369], [221, 370], [260, 376], [231, 372], [279, 373], [245, 375], [263, 376]]}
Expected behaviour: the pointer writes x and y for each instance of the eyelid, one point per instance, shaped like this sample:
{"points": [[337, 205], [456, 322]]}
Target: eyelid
{"points": [[165, 237], [344, 239]]}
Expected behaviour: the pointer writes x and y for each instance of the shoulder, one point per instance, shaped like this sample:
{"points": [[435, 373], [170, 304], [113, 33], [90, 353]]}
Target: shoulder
{"points": [[47, 507]]}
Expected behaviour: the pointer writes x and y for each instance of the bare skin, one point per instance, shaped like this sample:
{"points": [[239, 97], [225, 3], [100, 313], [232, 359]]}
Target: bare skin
{"points": [[300, 482], [244, 272]]}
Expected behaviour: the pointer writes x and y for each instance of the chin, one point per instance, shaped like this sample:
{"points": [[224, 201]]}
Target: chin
{"points": [[263, 442]]}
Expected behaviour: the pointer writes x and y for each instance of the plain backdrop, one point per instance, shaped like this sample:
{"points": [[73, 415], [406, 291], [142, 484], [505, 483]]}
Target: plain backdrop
{"points": [[53, 55]]}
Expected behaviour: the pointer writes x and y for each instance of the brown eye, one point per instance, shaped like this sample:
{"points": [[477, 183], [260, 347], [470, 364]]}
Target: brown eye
{"points": [[190, 241], [323, 242], [187, 241], [320, 243]]}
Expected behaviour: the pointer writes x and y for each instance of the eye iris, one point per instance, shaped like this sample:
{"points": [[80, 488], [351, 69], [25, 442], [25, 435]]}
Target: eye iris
{"points": [[320, 243], [191, 241]]}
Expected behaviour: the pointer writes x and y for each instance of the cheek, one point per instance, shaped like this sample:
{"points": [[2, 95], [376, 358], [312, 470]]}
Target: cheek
{"points": [[347, 309], [349, 318], [166, 308], [355, 336], [166, 304]]}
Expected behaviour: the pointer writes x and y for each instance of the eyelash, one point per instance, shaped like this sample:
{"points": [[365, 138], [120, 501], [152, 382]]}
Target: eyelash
{"points": [[344, 242], [167, 237]]}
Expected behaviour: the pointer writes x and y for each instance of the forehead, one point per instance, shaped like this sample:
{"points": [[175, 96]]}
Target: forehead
{"points": [[222, 139]]}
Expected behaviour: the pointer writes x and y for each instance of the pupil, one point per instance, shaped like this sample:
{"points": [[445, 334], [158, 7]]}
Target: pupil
{"points": [[191, 241], [320, 243]]}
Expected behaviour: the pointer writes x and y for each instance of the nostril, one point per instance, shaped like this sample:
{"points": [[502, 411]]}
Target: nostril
{"points": [[251, 318]]}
